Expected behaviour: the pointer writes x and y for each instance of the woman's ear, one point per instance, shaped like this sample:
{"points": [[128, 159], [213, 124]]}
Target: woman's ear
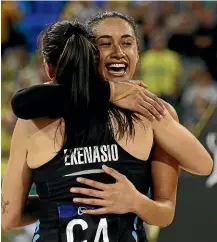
{"points": [[49, 71]]}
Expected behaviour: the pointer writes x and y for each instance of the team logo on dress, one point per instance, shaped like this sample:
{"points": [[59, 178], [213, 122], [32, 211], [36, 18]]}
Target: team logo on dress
{"points": [[80, 210]]}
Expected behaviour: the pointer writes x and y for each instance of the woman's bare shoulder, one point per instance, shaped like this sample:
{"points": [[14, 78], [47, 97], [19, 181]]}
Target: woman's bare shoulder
{"points": [[31, 127]]}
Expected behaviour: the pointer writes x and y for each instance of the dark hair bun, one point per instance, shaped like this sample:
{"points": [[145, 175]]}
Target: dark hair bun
{"points": [[75, 28]]}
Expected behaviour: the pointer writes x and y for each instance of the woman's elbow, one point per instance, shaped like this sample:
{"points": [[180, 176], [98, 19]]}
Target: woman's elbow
{"points": [[9, 223], [210, 165], [18, 106], [167, 221], [208, 170], [6, 225], [207, 167], [164, 223], [199, 165]]}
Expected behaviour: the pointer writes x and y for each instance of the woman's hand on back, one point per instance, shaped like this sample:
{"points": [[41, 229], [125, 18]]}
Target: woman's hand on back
{"points": [[133, 95], [112, 198]]}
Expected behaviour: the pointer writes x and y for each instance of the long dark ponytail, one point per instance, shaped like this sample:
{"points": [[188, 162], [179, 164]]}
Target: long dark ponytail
{"points": [[67, 48]]}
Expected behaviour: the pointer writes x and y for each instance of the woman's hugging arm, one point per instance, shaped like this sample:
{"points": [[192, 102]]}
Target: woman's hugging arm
{"points": [[51, 100], [177, 141], [39, 101], [160, 209]]}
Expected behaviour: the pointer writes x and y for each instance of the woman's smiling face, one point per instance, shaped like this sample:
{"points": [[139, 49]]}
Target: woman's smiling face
{"points": [[118, 48]]}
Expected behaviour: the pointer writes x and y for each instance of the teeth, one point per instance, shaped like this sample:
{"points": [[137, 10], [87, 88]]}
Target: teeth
{"points": [[117, 65]]}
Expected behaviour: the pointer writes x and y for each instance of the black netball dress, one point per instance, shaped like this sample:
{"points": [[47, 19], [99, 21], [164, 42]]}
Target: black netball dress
{"points": [[63, 221]]}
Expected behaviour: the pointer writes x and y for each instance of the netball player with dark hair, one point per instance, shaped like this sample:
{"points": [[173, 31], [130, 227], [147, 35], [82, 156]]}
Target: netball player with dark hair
{"points": [[85, 138]]}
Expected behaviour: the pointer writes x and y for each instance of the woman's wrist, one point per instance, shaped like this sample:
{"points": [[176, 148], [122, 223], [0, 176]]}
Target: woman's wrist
{"points": [[138, 201], [120, 90]]}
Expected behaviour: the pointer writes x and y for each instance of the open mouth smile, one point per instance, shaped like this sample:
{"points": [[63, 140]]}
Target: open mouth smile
{"points": [[117, 69]]}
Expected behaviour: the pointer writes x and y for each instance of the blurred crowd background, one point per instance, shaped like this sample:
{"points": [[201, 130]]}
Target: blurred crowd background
{"points": [[178, 44]]}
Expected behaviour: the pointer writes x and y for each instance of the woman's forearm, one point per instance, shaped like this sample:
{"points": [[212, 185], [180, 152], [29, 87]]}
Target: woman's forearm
{"points": [[159, 213], [30, 215]]}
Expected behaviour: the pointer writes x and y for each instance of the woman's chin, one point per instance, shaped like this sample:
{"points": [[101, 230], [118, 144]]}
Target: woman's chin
{"points": [[118, 78]]}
